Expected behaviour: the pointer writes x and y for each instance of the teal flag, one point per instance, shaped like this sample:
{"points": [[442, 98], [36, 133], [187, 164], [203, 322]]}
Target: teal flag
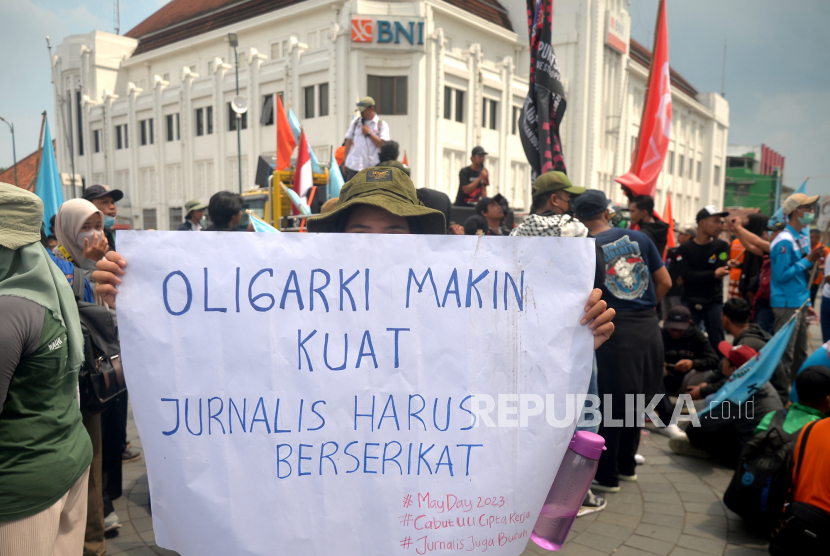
{"points": [[261, 225], [295, 131], [48, 186], [756, 372], [298, 202], [335, 179]]}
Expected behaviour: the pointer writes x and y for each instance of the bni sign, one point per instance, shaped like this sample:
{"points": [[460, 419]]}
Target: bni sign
{"points": [[616, 35], [400, 33]]}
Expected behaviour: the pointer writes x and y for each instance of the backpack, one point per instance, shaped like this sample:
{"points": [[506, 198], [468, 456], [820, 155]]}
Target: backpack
{"points": [[759, 485], [804, 528], [101, 377]]}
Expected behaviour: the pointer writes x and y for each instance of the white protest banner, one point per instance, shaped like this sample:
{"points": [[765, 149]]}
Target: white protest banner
{"points": [[315, 394]]}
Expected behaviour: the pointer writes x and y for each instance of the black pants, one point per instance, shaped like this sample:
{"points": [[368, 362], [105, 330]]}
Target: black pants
{"points": [[114, 442], [348, 173], [624, 369]]}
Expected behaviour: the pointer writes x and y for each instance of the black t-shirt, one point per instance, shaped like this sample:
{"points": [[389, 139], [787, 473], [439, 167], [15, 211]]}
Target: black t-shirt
{"points": [[696, 265], [465, 177]]}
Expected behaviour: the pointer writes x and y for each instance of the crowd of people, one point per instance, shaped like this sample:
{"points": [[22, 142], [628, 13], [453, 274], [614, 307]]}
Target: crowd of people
{"points": [[658, 316]]}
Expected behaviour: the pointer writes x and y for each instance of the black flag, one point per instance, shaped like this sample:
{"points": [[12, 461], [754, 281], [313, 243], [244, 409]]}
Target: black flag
{"points": [[545, 102]]}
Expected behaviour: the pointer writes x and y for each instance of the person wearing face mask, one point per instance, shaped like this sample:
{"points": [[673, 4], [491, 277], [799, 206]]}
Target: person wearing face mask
{"points": [[79, 226], [551, 212], [104, 200], [792, 261]]}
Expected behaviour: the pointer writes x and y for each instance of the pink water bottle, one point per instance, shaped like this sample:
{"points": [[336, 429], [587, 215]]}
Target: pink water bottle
{"points": [[568, 490]]}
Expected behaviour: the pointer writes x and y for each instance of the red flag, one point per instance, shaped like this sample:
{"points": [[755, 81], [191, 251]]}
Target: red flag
{"points": [[405, 163], [285, 139], [303, 179], [655, 127], [668, 219]]}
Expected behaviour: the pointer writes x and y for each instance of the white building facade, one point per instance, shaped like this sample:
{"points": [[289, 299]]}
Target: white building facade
{"points": [[149, 113]]}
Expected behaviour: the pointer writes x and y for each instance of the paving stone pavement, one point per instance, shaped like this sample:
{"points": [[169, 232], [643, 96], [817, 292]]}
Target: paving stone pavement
{"points": [[674, 509]]}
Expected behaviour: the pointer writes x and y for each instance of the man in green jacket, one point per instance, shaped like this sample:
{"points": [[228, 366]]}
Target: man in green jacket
{"points": [[45, 451], [813, 386]]}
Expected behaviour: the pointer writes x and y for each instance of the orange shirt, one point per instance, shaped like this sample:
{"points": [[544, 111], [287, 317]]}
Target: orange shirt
{"points": [[736, 252], [812, 485], [820, 272]]}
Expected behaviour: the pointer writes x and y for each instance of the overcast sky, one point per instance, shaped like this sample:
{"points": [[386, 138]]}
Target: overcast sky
{"points": [[777, 76]]}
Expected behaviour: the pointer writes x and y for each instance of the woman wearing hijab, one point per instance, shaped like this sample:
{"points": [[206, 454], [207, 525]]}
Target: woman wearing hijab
{"points": [[45, 452], [79, 227]]}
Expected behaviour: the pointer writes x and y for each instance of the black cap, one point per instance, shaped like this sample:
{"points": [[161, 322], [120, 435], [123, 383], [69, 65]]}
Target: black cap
{"points": [[710, 210], [678, 318], [97, 191], [813, 384], [478, 150], [590, 203], [476, 225]]}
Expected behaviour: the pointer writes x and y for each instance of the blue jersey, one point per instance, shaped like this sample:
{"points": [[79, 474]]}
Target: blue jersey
{"points": [[68, 270]]}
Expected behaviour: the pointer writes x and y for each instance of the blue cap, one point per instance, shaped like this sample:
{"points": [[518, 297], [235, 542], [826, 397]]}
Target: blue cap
{"points": [[590, 203]]}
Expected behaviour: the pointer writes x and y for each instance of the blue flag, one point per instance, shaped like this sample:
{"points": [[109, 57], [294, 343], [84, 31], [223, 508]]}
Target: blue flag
{"points": [[295, 130], [778, 215], [261, 225], [298, 202], [756, 372], [48, 186], [335, 179]]}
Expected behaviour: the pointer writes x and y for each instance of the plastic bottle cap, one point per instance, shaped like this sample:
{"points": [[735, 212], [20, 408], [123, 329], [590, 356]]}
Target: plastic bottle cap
{"points": [[587, 444]]}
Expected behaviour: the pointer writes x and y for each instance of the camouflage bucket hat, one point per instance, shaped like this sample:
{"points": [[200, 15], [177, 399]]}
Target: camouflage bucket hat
{"points": [[386, 188]]}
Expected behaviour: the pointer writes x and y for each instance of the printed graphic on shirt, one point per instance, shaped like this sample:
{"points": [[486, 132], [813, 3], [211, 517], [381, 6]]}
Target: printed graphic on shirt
{"points": [[722, 256], [712, 259], [626, 274]]}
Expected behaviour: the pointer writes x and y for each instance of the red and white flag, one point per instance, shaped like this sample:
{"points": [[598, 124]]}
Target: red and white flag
{"points": [[655, 128], [303, 180]]}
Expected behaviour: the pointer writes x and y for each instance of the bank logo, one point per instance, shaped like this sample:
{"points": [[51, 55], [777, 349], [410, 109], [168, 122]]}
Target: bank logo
{"points": [[626, 275], [362, 30]]}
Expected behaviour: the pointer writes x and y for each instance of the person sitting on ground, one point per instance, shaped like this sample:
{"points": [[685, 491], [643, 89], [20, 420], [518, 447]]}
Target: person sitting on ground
{"points": [[641, 209], [690, 358], [388, 155], [193, 219], [477, 225], [551, 213], [490, 209], [382, 206], [225, 211], [813, 385], [725, 429]]}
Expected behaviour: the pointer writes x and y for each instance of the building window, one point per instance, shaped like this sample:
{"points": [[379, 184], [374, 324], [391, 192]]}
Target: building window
{"points": [[209, 119], [671, 163], [717, 175], [390, 94], [267, 114], [166, 77], [150, 219], [453, 100], [691, 167], [200, 122], [96, 141], [173, 133], [324, 99], [232, 117], [121, 141], [699, 164], [279, 49], [176, 217], [308, 96], [146, 127], [681, 161], [517, 113], [489, 111], [178, 128], [80, 122]]}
